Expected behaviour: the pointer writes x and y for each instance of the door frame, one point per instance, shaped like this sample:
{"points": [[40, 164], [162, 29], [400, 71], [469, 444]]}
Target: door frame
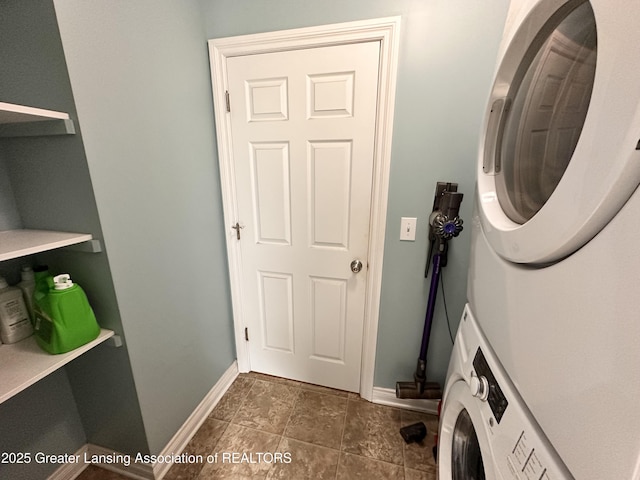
{"points": [[384, 30]]}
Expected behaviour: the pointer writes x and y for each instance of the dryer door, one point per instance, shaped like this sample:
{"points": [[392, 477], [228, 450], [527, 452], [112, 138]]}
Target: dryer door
{"points": [[464, 450], [560, 151]]}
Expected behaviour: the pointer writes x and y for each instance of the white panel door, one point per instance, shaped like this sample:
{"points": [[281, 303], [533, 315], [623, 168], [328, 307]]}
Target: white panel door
{"points": [[303, 127]]}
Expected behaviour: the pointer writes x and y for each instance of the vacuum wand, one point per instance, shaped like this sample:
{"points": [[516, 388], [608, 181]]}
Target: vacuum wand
{"points": [[444, 223], [431, 304]]}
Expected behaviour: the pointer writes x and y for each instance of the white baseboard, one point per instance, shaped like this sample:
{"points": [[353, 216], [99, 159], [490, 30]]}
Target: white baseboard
{"points": [[69, 471], [137, 471], [387, 396], [196, 419], [146, 471], [115, 463]]}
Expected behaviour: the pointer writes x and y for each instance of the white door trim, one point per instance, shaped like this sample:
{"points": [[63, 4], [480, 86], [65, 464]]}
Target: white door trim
{"points": [[385, 30]]}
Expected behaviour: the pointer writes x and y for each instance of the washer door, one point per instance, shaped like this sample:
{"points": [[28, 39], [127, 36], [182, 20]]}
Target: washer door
{"points": [[464, 447], [559, 155]]}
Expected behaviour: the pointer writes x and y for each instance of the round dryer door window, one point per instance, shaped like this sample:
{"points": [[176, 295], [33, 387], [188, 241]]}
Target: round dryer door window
{"points": [[560, 153], [548, 102]]}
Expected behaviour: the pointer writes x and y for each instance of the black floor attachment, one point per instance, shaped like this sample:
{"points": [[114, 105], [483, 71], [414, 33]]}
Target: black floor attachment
{"points": [[414, 433]]}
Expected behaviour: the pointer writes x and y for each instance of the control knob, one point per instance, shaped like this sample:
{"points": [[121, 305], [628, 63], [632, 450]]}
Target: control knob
{"points": [[479, 387]]}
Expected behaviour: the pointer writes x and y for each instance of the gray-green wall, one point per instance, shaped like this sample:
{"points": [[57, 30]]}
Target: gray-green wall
{"points": [[9, 216], [447, 56], [44, 419], [139, 73]]}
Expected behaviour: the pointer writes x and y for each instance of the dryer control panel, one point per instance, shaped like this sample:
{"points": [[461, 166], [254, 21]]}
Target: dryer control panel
{"points": [[496, 399]]}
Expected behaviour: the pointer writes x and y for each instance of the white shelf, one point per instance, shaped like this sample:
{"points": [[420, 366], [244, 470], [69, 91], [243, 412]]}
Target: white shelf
{"points": [[11, 113], [23, 121], [19, 243], [24, 363]]}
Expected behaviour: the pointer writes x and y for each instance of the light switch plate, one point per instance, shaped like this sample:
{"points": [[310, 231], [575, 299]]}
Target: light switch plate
{"points": [[408, 228]]}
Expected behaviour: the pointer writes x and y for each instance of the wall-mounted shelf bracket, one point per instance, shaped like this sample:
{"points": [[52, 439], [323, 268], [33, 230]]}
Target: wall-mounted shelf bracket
{"points": [[115, 341], [90, 246]]}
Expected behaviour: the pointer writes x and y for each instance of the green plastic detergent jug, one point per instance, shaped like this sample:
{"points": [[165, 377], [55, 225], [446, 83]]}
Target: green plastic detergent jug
{"points": [[44, 282], [64, 319]]}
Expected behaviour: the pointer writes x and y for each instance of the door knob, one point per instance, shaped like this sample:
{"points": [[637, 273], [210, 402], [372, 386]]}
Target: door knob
{"points": [[356, 266]]}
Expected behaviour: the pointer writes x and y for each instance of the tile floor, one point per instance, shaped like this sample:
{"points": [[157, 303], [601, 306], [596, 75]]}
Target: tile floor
{"points": [[327, 434]]}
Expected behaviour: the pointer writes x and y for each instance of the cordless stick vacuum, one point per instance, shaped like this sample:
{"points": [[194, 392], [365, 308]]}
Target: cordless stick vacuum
{"points": [[444, 224]]}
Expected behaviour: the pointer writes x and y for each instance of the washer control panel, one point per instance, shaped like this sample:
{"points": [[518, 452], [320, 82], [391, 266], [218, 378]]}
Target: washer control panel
{"points": [[496, 399]]}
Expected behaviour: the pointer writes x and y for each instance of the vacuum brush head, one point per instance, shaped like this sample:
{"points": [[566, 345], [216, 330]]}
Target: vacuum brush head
{"points": [[430, 390]]}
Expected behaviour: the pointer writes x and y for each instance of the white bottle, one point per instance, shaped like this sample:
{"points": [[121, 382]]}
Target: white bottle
{"points": [[28, 285], [14, 318]]}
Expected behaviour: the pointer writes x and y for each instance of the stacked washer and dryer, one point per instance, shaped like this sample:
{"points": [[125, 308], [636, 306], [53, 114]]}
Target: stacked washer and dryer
{"points": [[544, 379]]}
